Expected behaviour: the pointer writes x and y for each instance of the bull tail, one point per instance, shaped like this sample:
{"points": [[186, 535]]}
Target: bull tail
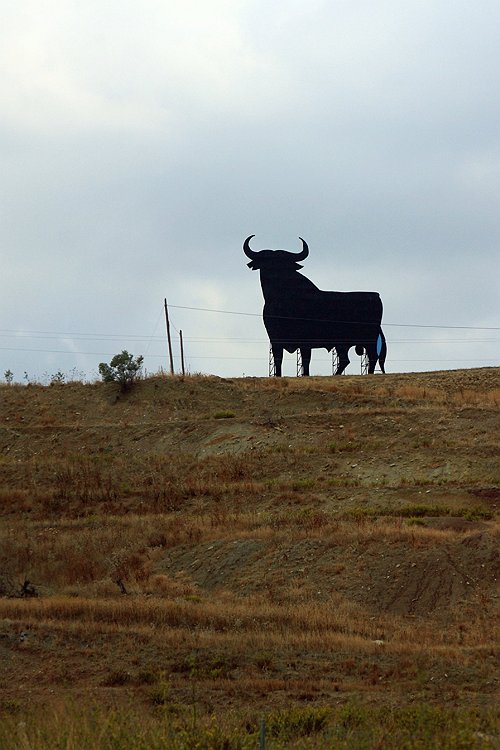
{"points": [[381, 349]]}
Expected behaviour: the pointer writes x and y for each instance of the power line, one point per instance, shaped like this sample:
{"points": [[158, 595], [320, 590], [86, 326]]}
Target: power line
{"points": [[319, 320], [214, 339], [246, 342], [229, 339], [239, 340], [217, 357], [232, 341], [69, 334], [62, 351], [154, 331], [249, 342]]}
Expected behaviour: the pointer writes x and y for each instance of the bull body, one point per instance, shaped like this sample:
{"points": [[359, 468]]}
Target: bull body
{"points": [[298, 315]]}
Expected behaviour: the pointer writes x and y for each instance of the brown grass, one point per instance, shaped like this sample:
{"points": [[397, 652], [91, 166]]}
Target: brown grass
{"points": [[329, 539]]}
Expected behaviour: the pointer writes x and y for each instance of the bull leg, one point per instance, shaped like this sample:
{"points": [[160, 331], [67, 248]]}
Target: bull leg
{"points": [[343, 359], [381, 342], [371, 351], [305, 353], [278, 358]]}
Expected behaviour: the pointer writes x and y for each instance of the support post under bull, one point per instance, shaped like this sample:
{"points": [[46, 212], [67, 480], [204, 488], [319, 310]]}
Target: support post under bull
{"points": [[300, 369], [272, 367]]}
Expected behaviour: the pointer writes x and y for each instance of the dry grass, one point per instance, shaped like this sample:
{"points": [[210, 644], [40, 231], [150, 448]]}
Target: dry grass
{"points": [[350, 726], [259, 544]]}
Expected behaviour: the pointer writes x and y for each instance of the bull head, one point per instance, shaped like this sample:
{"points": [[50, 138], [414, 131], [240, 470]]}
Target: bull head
{"points": [[276, 259]]}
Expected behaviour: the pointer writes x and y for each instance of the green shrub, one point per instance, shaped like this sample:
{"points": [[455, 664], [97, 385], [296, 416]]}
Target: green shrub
{"points": [[123, 369]]}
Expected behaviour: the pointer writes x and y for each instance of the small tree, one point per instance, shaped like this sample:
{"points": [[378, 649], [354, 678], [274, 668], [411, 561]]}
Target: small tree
{"points": [[9, 376], [123, 369]]}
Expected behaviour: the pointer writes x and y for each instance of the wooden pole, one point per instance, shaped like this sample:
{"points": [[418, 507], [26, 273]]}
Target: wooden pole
{"points": [[169, 338], [182, 353]]}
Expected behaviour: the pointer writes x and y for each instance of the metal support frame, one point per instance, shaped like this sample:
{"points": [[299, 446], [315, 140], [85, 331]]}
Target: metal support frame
{"points": [[364, 363], [335, 361], [272, 366], [300, 369]]}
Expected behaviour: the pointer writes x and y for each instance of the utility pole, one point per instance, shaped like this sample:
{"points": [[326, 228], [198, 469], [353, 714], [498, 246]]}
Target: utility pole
{"points": [[182, 353], [169, 340]]}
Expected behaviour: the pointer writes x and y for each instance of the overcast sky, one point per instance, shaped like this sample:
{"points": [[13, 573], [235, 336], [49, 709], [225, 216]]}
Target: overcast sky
{"points": [[140, 144]]}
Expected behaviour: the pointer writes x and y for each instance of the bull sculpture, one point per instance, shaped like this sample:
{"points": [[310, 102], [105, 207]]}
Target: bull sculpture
{"points": [[298, 315]]}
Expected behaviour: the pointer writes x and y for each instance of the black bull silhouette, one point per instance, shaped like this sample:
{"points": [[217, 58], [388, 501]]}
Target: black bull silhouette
{"points": [[298, 315]]}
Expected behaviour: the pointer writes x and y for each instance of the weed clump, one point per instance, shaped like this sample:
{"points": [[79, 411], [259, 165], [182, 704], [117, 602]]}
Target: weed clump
{"points": [[297, 722]]}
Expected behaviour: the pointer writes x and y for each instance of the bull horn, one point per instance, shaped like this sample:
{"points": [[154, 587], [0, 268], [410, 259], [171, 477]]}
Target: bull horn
{"points": [[246, 248], [304, 252]]}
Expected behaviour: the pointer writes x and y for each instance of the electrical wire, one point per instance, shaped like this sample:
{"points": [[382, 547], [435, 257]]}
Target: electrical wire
{"points": [[318, 320], [223, 357]]}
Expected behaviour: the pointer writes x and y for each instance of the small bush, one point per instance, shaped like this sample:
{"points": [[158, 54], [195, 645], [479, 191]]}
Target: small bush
{"points": [[123, 369]]}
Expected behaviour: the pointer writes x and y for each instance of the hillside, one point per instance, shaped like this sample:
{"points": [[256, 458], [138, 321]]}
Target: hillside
{"points": [[251, 545]]}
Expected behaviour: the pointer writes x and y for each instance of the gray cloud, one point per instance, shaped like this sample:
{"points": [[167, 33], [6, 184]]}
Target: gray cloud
{"points": [[140, 146]]}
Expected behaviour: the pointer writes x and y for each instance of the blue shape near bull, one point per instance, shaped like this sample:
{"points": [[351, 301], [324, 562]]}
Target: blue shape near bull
{"points": [[298, 315]]}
